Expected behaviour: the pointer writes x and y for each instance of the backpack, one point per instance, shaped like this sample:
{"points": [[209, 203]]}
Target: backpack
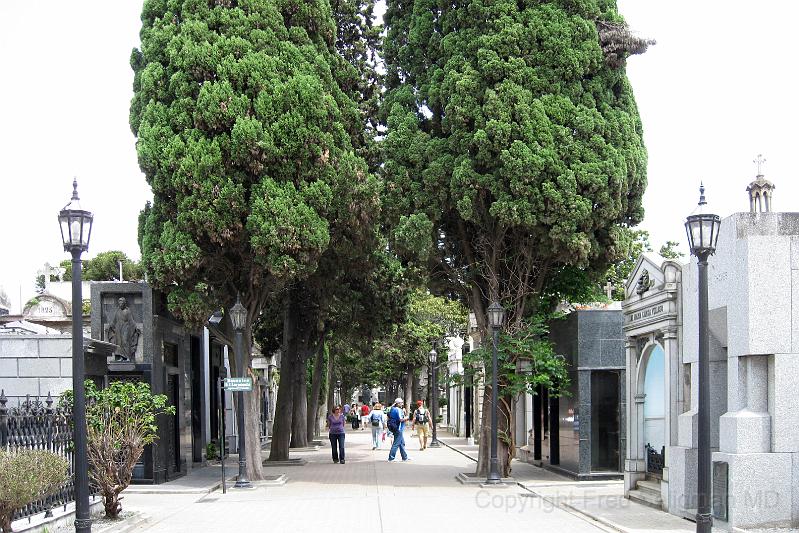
{"points": [[393, 421], [376, 420], [420, 417]]}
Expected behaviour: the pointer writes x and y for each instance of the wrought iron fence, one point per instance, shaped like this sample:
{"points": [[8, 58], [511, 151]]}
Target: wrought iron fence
{"points": [[37, 425]]}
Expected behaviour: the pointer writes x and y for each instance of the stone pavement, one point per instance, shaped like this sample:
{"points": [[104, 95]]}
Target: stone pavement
{"points": [[602, 501], [366, 494]]}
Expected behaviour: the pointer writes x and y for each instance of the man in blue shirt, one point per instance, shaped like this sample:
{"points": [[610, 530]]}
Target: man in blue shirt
{"points": [[396, 424]]}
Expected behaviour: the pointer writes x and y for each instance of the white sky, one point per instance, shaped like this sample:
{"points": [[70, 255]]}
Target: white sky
{"points": [[717, 89]]}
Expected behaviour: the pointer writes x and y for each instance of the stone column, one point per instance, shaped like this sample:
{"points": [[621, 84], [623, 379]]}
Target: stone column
{"points": [[671, 390], [634, 465]]}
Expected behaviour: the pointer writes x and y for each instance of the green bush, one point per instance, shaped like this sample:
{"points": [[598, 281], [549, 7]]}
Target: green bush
{"points": [[211, 451], [25, 477], [121, 421]]}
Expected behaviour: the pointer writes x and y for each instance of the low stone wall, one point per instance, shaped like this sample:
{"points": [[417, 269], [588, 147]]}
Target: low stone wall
{"points": [[35, 365]]}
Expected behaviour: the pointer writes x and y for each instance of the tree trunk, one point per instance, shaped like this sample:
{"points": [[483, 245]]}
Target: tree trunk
{"points": [[408, 388], [252, 432], [299, 421], [316, 388], [299, 429], [416, 387], [281, 427], [505, 452], [331, 385]]}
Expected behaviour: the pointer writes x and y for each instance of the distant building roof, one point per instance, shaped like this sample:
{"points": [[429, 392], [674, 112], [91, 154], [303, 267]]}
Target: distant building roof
{"points": [[23, 327]]}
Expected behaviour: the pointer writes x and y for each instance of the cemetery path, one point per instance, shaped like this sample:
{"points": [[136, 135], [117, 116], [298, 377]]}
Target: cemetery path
{"points": [[367, 493]]}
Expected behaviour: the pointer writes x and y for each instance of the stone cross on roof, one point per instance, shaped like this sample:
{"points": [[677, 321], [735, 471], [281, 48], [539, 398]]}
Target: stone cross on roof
{"points": [[49, 271], [760, 161], [609, 290]]}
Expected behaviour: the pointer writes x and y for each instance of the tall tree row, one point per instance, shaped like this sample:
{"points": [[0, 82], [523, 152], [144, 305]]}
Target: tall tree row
{"points": [[245, 136], [513, 151]]}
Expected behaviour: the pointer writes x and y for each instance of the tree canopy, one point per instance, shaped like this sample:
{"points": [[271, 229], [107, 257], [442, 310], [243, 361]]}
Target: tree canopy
{"points": [[245, 136], [514, 149]]}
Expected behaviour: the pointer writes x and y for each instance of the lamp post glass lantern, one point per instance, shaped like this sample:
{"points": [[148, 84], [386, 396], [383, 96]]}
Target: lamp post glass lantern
{"points": [[702, 229], [238, 318], [76, 230], [434, 398], [496, 316]]}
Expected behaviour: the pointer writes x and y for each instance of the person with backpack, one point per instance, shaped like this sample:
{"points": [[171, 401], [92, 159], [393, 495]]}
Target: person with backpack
{"points": [[377, 420], [396, 425], [335, 424], [421, 423]]}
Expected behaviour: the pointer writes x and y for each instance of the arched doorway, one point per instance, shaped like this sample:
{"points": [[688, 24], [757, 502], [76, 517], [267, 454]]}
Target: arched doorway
{"points": [[655, 410]]}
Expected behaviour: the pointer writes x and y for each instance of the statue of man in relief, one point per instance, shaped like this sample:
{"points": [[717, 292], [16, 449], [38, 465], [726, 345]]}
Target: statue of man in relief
{"points": [[124, 332]]}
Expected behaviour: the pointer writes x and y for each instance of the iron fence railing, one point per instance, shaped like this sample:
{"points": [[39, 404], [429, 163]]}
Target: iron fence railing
{"points": [[38, 425]]}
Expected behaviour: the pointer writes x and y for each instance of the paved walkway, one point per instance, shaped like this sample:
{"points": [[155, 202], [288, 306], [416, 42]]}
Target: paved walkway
{"points": [[366, 494]]}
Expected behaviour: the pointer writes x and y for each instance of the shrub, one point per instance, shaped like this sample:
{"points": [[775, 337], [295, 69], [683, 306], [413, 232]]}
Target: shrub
{"points": [[211, 451], [121, 421], [25, 477]]}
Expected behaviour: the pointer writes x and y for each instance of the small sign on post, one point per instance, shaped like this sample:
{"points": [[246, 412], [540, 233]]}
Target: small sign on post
{"points": [[238, 384]]}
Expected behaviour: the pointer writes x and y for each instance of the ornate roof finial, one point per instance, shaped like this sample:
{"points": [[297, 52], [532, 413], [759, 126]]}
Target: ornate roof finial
{"points": [[759, 162], [702, 200], [75, 189]]}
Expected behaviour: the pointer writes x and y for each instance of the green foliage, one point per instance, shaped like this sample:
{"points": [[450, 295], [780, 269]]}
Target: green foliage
{"points": [[406, 347], [211, 451], [528, 348], [104, 267], [248, 142], [513, 149], [669, 250], [635, 243], [121, 420], [25, 477]]}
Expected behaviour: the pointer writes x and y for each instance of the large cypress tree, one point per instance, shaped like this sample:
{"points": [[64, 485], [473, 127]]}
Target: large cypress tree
{"points": [[244, 135], [514, 148]]}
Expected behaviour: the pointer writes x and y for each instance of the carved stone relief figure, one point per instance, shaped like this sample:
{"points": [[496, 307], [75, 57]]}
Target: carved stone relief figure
{"points": [[124, 332]]}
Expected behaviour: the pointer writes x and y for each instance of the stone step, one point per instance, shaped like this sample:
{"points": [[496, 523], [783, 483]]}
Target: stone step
{"points": [[652, 487], [646, 498]]}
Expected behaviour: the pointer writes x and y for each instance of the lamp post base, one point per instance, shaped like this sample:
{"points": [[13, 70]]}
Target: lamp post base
{"points": [[434, 444], [704, 523], [242, 484], [83, 525]]}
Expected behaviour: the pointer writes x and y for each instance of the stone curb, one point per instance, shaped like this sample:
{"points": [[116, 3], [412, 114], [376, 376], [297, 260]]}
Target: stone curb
{"points": [[162, 489], [457, 450]]}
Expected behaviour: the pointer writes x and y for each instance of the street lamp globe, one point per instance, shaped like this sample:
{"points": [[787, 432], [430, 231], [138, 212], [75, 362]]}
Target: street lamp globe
{"points": [[433, 355], [238, 315], [76, 223], [496, 315], [702, 228]]}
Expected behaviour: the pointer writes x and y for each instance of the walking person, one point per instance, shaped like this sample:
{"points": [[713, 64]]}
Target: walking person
{"points": [[364, 415], [377, 420], [396, 425], [421, 423], [335, 423], [355, 416]]}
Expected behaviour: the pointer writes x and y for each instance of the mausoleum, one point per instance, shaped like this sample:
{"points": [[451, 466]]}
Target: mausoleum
{"points": [[754, 372]]}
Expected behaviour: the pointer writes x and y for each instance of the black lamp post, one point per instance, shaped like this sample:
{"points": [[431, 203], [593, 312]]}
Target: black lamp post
{"points": [[76, 229], [238, 317], [496, 316], [434, 393], [338, 392], [703, 233]]}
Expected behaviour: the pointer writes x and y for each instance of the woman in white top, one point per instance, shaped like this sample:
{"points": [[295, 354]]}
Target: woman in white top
{"points": [[377, 421]]}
